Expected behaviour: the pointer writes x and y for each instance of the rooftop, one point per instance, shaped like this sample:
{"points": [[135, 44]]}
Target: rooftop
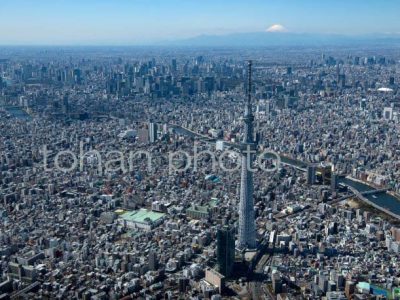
{"points": [[142, 216]]}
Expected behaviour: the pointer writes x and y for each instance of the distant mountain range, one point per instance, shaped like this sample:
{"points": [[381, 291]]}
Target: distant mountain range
{"points": [[264, 39]]}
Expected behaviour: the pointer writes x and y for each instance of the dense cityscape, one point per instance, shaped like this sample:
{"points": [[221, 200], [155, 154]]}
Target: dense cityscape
{"points": [[123, 173]]}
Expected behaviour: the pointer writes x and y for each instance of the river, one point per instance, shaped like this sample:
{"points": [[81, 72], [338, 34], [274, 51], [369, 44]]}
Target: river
{"points": [[18, 113], [383, 200]]}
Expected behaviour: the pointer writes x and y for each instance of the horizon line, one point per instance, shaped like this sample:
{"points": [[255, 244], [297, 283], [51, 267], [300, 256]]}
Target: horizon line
{"points": [[171, 41]]}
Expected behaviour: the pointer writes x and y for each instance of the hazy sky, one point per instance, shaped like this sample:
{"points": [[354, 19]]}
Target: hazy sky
{"points": [[145, 21]]}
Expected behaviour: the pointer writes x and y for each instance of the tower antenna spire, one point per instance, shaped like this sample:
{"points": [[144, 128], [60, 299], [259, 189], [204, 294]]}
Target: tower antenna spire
{"points": [[249, 64]]}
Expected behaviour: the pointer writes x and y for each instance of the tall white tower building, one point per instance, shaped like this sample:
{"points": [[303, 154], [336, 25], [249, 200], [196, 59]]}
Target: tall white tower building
{"points": [[247, 230]]}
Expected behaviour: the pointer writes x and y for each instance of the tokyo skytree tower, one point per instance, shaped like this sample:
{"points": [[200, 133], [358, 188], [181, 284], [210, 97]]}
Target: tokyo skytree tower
{"points": [[247, 230]]}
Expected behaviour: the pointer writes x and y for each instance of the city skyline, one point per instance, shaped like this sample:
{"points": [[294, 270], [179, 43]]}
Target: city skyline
{"points": [[166, 173], [189, 149], [142, 23]]}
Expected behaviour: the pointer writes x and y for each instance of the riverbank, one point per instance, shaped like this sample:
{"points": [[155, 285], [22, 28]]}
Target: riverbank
{"points": [[359, 204], [394, 194], [364, 182]]}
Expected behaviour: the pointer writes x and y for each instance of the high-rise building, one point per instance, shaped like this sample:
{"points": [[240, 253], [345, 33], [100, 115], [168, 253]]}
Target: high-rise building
{"points": [[334, 182], [153, 262], [247, 231], [349, 289], [388, 113], [395, 233], [225, 250], [311, 173], [183, 284], [363, 103], [65, 105], [276, 283], [77, 74], [342, 80], [174, 65], [152, 132]]}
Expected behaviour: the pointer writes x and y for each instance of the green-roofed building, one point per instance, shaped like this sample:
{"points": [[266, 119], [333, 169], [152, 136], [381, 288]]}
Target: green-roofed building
{"points": [[363, 287], [198, 212], [203, 211], [214, 202], [142, 218], [396, 293]]}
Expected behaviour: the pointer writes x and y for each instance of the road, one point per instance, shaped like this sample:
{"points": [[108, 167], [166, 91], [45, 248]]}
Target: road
{"points": [[257, 288]]}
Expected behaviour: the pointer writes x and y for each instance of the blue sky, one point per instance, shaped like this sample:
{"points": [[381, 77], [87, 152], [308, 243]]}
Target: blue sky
{"points": [[146, 21]]}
